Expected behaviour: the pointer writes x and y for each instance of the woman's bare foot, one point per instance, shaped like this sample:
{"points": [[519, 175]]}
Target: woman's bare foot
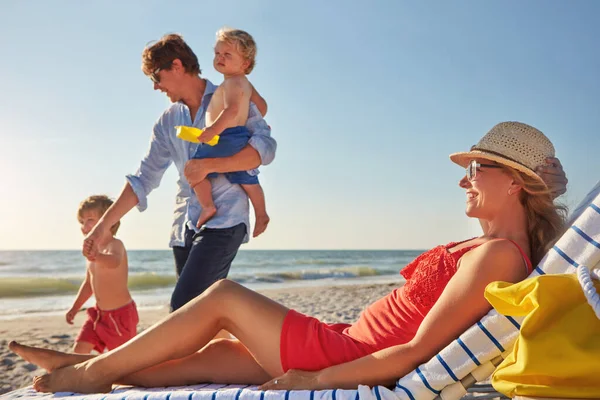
{"points": [[206, 214], [261, 224], [46, 358], [74, 378]]}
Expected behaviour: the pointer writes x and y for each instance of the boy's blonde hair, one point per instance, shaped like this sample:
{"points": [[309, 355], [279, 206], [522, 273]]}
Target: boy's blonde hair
{"points": [[243, 41], [99, 203]]}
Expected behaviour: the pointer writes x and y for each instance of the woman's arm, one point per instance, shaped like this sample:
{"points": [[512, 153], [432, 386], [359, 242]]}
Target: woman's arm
{"points": [[461, 304]]}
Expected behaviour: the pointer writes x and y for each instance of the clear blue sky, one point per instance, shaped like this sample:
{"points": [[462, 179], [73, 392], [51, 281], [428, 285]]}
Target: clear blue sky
{"points": [[367, 99]]}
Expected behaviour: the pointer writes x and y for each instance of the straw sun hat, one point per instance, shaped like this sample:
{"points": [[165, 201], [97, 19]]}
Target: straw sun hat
{"points": [[514, 144]]}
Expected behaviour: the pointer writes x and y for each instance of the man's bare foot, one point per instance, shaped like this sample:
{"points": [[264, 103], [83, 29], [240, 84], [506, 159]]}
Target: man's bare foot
{"points": [[74, 378], [46, 358], [206, 214], [260, 224]]}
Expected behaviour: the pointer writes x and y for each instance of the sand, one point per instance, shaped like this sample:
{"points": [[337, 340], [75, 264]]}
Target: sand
{"points": [[330, 304]]}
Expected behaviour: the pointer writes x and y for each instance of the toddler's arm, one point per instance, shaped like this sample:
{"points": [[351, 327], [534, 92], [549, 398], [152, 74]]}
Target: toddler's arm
{"points": [[85, 292], [112, 256], [259, 101]]}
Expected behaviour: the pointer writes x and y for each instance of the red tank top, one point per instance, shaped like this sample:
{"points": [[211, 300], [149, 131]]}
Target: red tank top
{"points": [[395, 318]]}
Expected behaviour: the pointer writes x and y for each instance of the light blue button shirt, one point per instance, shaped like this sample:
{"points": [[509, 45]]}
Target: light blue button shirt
{"points": [[165, 148]]}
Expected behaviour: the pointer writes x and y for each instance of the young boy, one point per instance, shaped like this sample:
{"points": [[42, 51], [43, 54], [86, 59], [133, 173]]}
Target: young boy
{"points": [[113, 320], [226, 115]]}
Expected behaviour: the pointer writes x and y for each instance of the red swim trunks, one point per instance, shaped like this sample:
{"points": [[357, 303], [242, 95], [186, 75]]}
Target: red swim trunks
{"points": [[109, 329]]}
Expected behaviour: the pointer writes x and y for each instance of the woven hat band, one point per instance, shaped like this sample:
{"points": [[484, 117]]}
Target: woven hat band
{"points": [[500, 155]]}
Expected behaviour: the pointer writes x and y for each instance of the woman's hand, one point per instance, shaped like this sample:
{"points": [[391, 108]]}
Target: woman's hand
{"points": [[294, 379]]}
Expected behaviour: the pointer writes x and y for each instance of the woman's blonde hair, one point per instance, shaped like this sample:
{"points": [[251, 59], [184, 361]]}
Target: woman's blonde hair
{"points": [[546, 219], [243, 41]]}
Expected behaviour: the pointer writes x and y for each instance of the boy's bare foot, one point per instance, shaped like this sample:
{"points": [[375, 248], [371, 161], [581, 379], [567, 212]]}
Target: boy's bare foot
{"points": [[74, 378], [206, 214], [261, 224], [46, 358]]}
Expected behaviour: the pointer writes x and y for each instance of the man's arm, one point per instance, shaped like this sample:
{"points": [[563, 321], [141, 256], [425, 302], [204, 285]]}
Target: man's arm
{"points": [[136, 190], [245, 159], [260, 150], [124, 203]]}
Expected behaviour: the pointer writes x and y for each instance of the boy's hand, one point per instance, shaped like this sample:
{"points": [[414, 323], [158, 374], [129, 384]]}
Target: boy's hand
{"points": [[71, 316], [92, 242], [207, 135]]}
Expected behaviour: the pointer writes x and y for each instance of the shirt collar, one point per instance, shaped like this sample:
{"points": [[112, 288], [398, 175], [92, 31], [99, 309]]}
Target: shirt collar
{"points": [[210, 88]]}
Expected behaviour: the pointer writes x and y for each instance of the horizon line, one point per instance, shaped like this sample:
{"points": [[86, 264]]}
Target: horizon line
{"points": [[169, 249]]}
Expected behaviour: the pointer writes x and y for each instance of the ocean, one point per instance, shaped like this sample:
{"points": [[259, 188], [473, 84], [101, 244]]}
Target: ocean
{"points": [[46, 282]]}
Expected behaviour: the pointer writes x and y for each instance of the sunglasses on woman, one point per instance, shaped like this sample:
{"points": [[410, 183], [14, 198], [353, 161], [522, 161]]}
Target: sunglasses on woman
{"points": [[474, 165]]}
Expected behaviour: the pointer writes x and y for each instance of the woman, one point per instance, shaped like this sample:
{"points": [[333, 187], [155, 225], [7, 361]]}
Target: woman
{"points": [[392, 336]]}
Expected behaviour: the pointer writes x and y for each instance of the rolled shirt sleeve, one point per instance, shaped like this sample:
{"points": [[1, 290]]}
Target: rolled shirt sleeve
{"points": [[151, 169], [261, 139]]}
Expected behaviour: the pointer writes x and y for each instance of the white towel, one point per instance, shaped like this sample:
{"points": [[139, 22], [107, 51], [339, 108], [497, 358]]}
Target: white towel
{"points": [[212, 392]]}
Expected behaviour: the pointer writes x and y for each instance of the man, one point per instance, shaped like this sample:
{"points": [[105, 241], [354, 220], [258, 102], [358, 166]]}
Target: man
{"points": [[202, 256]]}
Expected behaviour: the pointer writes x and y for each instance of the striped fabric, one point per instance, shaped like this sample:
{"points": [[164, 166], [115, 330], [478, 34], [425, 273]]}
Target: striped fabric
{"points": [[495, 334], [213, 392], [471, 357]]}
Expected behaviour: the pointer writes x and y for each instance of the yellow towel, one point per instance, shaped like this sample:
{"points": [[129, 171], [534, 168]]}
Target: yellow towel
{"points": [[557, 353]]}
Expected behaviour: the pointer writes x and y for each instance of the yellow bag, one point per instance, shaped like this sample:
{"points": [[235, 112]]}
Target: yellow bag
{"points": [[557, 353]]}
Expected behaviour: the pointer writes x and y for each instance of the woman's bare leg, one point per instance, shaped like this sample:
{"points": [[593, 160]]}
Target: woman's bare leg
{"points": [[214, 363], [254, 319], [211, 364], [46, 358]]}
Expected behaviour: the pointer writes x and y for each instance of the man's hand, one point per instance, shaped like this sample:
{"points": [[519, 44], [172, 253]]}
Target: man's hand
{"points": [[97, 237], [195, 171], [554, 176], [71, 316]]}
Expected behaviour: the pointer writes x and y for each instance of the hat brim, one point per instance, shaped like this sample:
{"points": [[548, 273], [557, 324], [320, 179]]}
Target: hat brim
{"points": [[464, 158]]}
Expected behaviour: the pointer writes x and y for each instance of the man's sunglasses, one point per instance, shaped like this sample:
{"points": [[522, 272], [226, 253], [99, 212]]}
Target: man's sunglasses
{"points": [[154, 74], [474, 165]]}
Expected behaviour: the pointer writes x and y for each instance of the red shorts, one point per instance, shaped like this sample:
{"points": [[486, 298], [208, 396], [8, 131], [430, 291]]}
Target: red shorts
{"points": [[311, 345], [109, 329]]}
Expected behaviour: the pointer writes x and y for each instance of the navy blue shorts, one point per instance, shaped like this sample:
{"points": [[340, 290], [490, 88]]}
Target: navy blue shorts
{"points": [[231, 141]]}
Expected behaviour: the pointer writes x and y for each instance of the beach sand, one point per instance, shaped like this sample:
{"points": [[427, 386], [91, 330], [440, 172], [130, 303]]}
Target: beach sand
{"points": [[330, 304]]}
